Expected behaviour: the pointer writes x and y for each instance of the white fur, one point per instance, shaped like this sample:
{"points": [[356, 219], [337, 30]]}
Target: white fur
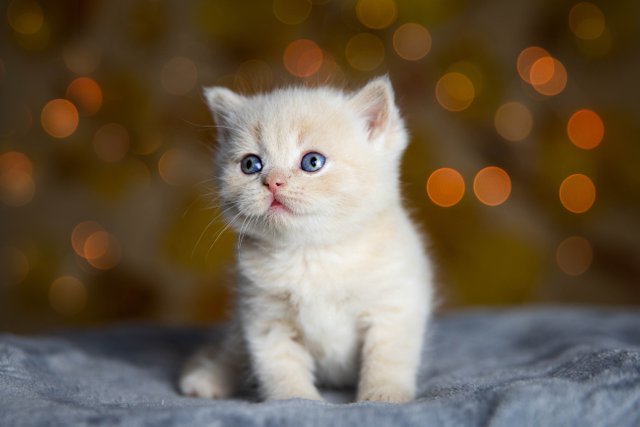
{"points": [[338, 290]]}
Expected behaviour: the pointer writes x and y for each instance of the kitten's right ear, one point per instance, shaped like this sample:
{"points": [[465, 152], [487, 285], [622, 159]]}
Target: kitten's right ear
{"points": [[223, 103]]}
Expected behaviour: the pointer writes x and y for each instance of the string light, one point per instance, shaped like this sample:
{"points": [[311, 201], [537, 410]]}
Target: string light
{"points": [[365, 52], [585, 129], [577, 193], [59, 118], [412, 41], [492, 186], [455, 92], [574, 255], [303, 58], [513, 121], [445, 187]]}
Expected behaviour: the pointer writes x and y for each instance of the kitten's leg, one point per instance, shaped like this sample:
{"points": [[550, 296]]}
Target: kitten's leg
{"points": [[213, 372], [283, 367], [390, 358]]}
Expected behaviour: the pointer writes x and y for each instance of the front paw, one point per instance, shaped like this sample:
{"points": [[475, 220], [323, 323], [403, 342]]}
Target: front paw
{"points": [[388, 392], [202, 383]]}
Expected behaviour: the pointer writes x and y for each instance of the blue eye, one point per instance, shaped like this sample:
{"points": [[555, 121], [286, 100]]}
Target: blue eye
{"points": [[312, 162], [251, 164]]}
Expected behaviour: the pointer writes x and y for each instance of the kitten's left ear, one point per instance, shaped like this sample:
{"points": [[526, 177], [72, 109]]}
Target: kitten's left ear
{"points": [[223, 103], [375, 104]]}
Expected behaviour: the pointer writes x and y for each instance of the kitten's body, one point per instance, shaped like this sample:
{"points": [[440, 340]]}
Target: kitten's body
{"points": [[334, 285]]}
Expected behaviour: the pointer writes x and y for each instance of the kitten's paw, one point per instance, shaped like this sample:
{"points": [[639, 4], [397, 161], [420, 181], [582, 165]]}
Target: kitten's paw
{"points": [[201, 382], [391, 393]]}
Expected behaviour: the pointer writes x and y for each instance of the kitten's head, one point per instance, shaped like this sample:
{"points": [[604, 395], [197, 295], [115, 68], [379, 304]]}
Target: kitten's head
{"points": [[306, 164]]}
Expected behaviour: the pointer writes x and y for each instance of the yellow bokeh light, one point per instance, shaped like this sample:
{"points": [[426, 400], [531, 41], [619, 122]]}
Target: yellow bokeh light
{"points": [[445, 187], [25, 16], [86, 94], [303, 58], [586, 21], [492, 186], [59, 118], [111, 142], [548, 76], [376, 14], [412, 41], [179, 76], [291, 12], [81, 233], [365, 52], [577, 193], [67, 295], [513, 121], [574, 255], [527, 58], [585, 129], [455, 91]]}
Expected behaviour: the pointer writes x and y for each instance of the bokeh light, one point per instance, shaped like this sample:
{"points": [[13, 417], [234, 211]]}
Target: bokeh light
{"points": [[25, 16], [175, 167], [111, 142], [17, 187], [68, 295], [492, 186], [59, 118], [412, 41], [548, 76], [527, 58], [445, 187], [585, 129], [586, 21], [303, 58], [81, 233], [179, 76], [365, 52], [574, 255], [455, 91], [86, 94], [102, 250], [81, 57], [513, 121], [376, 14], [291, 12], [577, 193]]}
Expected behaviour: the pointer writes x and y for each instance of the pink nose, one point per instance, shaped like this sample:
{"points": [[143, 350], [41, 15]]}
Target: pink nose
{"points": [[274, 181]]}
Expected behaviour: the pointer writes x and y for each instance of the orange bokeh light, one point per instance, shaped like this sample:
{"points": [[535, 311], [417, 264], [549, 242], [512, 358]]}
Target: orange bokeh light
{"points": [[455, 92], [303, 58], [513, 121], [17, 187], [376, 14], [548, 76], [445, 187], [81, 233], [59, 118], [577, 193], [86, 94], [111, 142], [585, 129], [412, 41], [527, 58], [574, 255], [492, 186], [67, 295]]}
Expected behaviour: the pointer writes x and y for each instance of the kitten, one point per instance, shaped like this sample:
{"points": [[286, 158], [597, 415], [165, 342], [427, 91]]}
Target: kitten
{"points": [[334, 284]]}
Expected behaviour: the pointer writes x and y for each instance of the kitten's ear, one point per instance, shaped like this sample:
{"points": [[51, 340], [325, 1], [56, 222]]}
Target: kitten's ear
{"points": [[375, 104], [223, 103]]}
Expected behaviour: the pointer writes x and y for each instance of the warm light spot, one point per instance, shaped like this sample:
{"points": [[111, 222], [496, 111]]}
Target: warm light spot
{"points": [[179, 75], [111, 142], [527, 58], [14, 264], [81, 58], [102, 251], [67, 295], [586, 21], [376, 14], [455, 92], [15, 161], [81, 232], [303, 58], [17, 187], [445, 187], [291, 12], [96, 245], [148, 143], [574, 255], [175, 167], [330, 72], [412, 41], [365, 52], [577, 193], [25, 16], [548, 76], [59, 118], [492, 186], [513, 121], [86, 94], [585, 129]]}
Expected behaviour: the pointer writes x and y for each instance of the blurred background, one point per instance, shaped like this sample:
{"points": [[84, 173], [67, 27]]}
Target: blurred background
{"points": [[524, 165]]}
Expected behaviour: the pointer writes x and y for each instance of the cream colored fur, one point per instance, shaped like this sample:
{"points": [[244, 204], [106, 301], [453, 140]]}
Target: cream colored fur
{"points": [[336, 290]]}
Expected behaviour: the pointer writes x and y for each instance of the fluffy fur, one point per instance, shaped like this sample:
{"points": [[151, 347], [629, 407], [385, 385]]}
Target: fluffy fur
{"points": [[334, 286]]}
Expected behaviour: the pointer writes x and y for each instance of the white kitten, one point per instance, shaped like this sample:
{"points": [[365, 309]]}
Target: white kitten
{"points": [[334, 284]]}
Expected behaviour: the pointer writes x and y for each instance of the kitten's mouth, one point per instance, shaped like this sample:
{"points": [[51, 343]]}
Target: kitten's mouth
{"points": [[277, 206]]}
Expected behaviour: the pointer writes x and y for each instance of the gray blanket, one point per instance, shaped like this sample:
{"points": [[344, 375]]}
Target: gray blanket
{"points": [[537, 367]]}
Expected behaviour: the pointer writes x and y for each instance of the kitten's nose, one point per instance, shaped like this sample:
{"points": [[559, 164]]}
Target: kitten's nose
{"points": [[274, 181]]}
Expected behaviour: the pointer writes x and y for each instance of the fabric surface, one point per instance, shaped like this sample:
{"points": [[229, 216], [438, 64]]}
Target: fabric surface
{"points": [[527, 367]]}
